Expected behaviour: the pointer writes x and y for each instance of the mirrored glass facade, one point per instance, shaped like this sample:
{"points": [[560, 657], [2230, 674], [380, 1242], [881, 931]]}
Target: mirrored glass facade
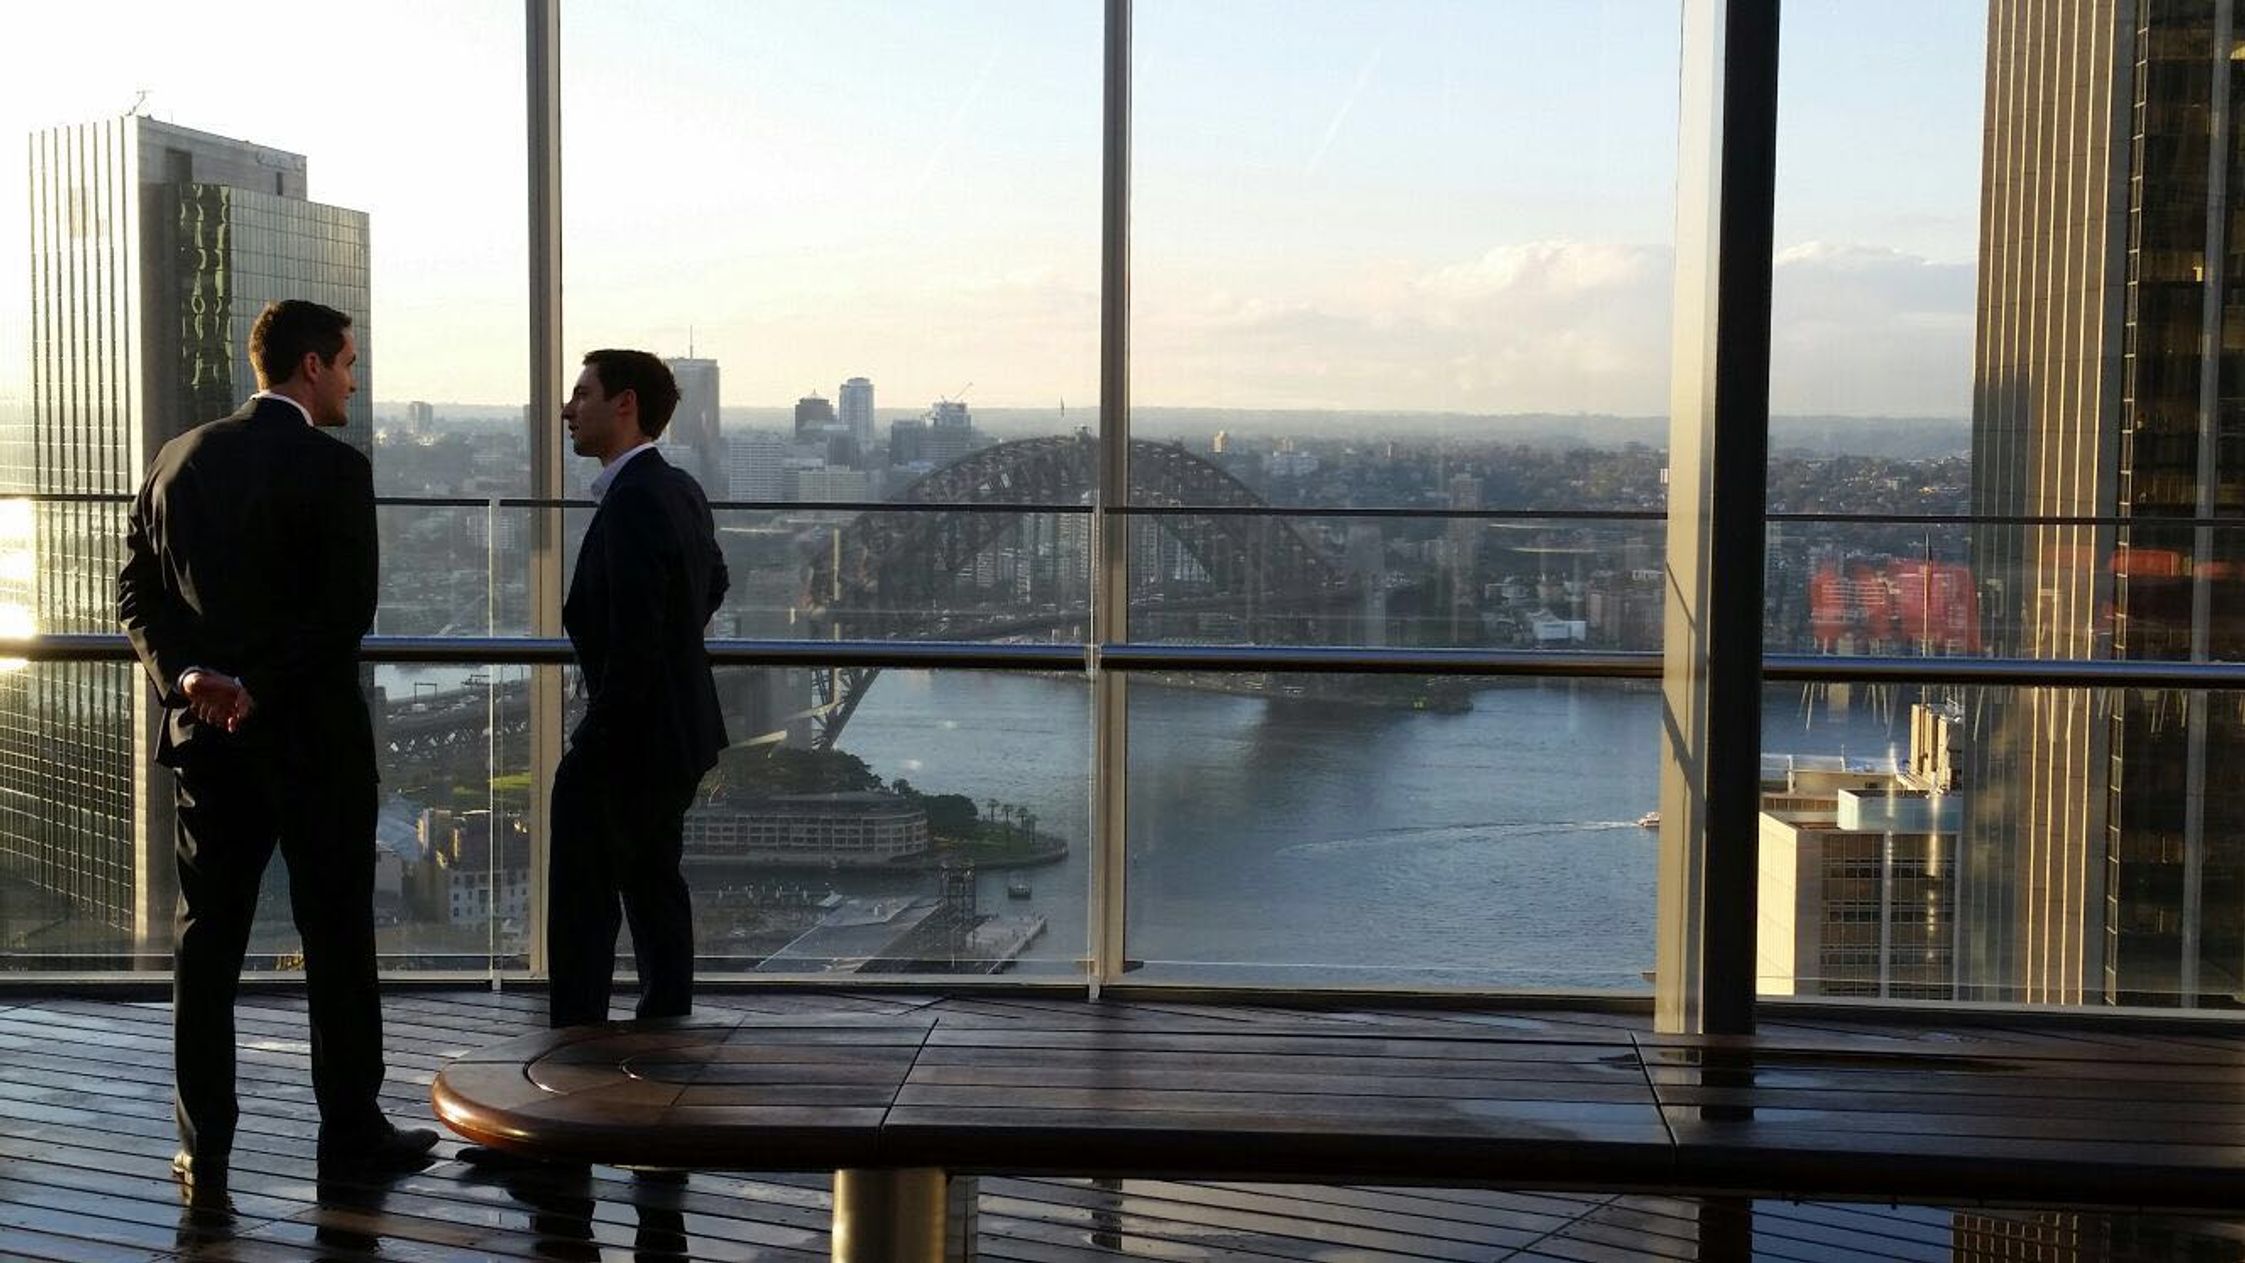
{"points": [[153, 249], [2105, 859]]}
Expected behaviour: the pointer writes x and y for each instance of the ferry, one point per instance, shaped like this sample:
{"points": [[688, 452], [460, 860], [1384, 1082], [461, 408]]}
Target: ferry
{"points": [[1650, 820], [1017, 888]]}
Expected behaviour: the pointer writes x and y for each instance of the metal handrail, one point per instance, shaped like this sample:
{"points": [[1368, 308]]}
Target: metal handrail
{"points": [[2230, 521], [1777, 668]]}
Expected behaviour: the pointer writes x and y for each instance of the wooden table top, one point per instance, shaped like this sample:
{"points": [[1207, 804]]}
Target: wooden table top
{"points": [[1084, 1089]]}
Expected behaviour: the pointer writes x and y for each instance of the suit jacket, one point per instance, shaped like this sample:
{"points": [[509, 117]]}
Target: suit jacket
{"points": [[648, 578], [251, 550]]}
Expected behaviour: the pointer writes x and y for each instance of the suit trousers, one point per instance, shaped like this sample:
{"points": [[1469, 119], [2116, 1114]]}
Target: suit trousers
{"points": [[233, 810], [617, 837]]}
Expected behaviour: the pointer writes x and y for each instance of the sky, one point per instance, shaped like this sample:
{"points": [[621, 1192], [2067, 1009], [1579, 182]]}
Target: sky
{"points": [[1395, 205]]}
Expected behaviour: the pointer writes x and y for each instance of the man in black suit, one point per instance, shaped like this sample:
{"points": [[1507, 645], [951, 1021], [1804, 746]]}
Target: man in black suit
{"points": [[249, 579], [648, 578]]}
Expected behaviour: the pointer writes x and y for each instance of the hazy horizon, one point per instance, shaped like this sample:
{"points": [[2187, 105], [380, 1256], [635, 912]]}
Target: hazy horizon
{"points": [[1907, 436]]}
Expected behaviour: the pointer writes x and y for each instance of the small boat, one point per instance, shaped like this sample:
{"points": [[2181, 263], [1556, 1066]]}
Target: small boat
{"points": [[1017, 888], [1650, 820]]}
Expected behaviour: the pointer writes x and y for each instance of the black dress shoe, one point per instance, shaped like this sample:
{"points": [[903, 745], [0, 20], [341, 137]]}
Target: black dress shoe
{"points": [[390, 1149], [484, 1158]]}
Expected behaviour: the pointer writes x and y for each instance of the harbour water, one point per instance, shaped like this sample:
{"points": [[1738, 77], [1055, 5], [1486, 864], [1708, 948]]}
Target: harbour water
{"points": [[1318, 844], [1302, 842]]}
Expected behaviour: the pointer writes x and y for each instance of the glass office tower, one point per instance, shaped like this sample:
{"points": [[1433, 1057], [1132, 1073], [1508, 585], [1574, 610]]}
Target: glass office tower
{"points": [[2106, 846], [153, 248]]}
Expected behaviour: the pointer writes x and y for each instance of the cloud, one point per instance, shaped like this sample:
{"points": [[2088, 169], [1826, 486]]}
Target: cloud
{"points": [[1869, 330], [1560, 326], [1550, 270], [1548, 325], [1531, 326]]}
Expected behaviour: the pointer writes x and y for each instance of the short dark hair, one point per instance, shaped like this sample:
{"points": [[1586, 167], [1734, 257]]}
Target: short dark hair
{"points": [[289, 330], [644, 375]]}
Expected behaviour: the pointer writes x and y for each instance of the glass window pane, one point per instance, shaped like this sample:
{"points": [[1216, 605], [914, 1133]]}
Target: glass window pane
{"points": [[1401, 291], [152, 207], [2000, 845], [452, 885], [942, 831], [1378, 247], [867, 235], [2002, 252], [1353, 829]]}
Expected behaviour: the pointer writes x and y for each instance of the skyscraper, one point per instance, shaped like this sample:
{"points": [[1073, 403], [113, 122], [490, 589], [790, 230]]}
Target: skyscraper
{"points": [[756, 467], [814, 418], [816, 423], [908, 442], [950, 434], [695, 425], [857, 411], [2102, 862], [153, 248]]}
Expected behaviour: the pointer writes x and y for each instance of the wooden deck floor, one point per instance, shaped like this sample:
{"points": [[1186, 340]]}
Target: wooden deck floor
{"points": [[85, 1136]]}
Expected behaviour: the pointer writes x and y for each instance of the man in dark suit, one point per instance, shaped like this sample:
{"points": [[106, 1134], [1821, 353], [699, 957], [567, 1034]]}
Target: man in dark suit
{"points": [[249, 579], [648, 578]]}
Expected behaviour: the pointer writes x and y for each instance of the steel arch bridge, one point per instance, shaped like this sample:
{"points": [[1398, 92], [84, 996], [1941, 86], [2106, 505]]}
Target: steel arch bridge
{"points": [[888, 576]]}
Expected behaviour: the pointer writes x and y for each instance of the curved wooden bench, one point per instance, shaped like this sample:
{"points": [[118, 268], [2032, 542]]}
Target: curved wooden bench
{"points": [[895, 1104], [692, 1094]]}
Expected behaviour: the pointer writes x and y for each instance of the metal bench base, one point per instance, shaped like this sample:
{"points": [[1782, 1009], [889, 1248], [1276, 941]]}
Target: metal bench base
{"points": [[906, 1215]]}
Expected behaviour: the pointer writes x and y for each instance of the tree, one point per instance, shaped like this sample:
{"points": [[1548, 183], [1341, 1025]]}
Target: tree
{"points": [[744, 772], [951, 814]]}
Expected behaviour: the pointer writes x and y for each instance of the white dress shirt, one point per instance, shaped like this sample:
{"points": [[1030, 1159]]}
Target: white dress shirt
{"points": [[267, 394], [607, 475]]}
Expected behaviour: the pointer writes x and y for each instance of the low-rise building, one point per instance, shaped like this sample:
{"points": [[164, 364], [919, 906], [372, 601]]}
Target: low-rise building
{"points": [[846, 830], [1858, 889], [469, 872]]}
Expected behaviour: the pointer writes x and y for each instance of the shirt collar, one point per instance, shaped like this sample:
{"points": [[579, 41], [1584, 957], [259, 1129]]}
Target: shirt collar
{"points": [[606, 478], [300, 408]]}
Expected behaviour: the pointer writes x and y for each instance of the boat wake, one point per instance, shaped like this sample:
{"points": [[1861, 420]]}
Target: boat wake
{"points": [[1484, 831]]}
